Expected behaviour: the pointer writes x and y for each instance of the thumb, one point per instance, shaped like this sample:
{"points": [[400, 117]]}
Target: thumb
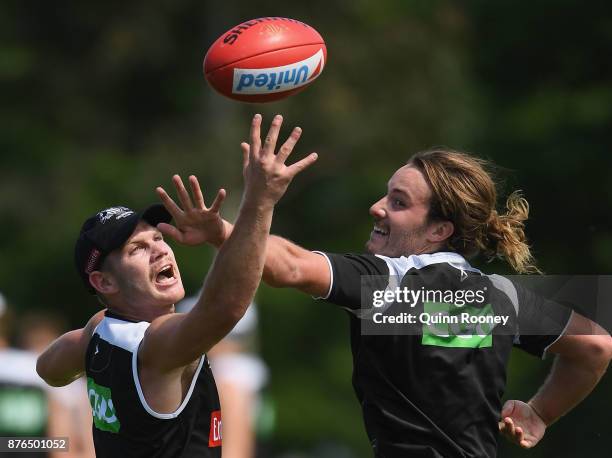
{"points": [[508, 408], [171, 231], [216, 205], [299, 166]]}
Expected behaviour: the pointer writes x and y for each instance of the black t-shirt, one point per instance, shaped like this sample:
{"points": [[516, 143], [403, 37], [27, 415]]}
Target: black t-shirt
{"points": [[435, 390], [124, 425]]}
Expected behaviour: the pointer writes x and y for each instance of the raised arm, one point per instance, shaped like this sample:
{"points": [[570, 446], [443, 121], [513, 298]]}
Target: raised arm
{"points": [[583, 355], [174, 341], [288, 265], [64, 360]]}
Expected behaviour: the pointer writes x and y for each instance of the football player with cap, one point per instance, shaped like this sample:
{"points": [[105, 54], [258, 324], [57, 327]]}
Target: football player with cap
{"points": [[149, 383]]}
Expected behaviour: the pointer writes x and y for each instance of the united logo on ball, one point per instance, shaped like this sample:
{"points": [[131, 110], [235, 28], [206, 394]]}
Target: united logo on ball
{"points": [[265, 59]]}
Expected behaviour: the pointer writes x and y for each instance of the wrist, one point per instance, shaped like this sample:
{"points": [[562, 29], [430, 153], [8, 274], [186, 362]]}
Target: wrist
{"points": [[226, 231], [257, 204], [539, 413]]}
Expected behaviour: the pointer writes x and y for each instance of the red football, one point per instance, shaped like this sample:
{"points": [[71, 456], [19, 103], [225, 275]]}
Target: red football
{"points": [[265, 59]]}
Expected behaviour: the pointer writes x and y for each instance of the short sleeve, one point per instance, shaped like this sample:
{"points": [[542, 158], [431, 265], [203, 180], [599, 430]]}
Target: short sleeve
{"points": [[540, 321], [346, 273]]}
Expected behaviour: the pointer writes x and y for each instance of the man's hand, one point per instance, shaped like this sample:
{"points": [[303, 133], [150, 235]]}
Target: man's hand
{"points": [[266, 176], [176, 340], [520, 424], [195, 223]]}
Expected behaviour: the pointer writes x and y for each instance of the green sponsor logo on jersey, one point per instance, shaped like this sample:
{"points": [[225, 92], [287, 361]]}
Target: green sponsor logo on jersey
{"points": [[450, 325], [104, 415]]}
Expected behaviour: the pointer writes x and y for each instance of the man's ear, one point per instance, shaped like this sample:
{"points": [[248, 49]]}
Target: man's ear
{"points": [[441, 231], [103, 282]]}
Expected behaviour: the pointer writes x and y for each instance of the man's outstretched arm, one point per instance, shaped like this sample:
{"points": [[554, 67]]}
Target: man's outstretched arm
{"points": [[64, 360], [289, 265], [583, 355], [174, 341], [286, 263]]}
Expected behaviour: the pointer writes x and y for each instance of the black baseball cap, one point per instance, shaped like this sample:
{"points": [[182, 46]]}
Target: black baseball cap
{"points": [[108, 230]]}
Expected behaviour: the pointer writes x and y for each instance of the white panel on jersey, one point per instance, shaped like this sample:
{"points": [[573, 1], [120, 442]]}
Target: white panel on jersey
{"points": [[399, 266], [128, 335], [123, 334]]}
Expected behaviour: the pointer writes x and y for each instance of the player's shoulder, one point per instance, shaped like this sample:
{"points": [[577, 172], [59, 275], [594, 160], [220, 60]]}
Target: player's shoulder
{"points": [[428, 262], [358, 263], [120, 332]]}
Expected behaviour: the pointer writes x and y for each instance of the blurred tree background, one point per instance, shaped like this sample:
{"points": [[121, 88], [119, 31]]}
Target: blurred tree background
{"points": [[103, 101]]}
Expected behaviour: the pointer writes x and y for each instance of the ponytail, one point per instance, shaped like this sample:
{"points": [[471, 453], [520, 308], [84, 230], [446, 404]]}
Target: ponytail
{"points": [[464, 193], [506, 235]]}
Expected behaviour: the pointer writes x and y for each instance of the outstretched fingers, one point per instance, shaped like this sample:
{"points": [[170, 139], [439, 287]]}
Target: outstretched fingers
{"points": [[216, 205], [198, 197], [171, 231], [170, 205], [255, 135], [246, 152], [287, 147], [183, 195], [302, 165], [270, 142], [196, 190]]}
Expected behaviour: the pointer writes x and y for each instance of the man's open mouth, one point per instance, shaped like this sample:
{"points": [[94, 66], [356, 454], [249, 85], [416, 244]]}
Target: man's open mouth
{"points": [[165, 275], [380, 231]]}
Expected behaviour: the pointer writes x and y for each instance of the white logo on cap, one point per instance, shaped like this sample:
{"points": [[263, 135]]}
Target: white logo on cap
{"points": [[117, 212]]}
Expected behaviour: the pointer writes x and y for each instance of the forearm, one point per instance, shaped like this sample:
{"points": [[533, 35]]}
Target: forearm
{"points": [[281, 267], [569, 382], [283, 261], [239, 262], [228, 228], [175, 340]]}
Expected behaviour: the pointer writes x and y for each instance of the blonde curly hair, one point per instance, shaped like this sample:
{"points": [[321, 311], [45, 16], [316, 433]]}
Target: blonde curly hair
{"points": [[464, 193]]}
